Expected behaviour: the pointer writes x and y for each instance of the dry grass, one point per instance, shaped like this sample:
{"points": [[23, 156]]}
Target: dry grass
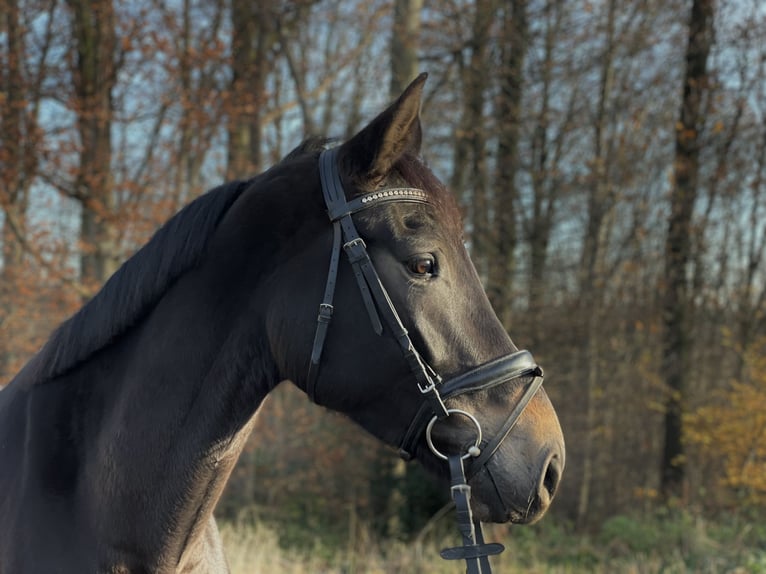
{"points": [[253, 548]]}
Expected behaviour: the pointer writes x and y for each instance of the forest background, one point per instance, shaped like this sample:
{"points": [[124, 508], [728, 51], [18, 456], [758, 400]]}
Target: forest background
{"points": [[610, 157]]}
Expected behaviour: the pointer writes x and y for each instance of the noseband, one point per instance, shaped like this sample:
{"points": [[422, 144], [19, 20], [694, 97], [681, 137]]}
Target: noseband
{"points": [[435, 391]]}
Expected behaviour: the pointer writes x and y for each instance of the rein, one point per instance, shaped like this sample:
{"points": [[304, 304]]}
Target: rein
{"points": [[377, 302]]}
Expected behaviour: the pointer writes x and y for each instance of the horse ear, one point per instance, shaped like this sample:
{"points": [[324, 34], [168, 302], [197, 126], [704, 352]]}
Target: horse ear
{"points": [[372, 152]]}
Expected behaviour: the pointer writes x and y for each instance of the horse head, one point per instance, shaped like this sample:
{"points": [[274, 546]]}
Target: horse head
{"points": [[407, 335]]}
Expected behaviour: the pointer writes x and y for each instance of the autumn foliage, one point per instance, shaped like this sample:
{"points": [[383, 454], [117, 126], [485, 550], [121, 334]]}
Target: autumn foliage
{"points": [[731, 431]]}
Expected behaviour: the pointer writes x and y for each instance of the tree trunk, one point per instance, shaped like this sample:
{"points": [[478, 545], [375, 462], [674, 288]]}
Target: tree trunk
{"points": [[539, 224], [253, 34], [508, 117], [186, 163], [477, 77], [12, 193], [95, 38], [600, 202], [404, 44], [13, 176], [676, 303]]}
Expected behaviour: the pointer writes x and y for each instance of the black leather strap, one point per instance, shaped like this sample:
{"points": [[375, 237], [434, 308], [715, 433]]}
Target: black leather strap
{"points": [[325, 313], [332, 188], [356, 250], [474, 550], [491, 374]]}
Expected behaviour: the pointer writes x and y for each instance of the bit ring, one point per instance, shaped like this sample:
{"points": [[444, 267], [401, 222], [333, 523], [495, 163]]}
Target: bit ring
{"points": [[473, 451]]}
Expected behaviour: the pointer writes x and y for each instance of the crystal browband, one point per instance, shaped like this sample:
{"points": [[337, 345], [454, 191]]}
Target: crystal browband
{"points": [[396, 192], [361, 202]]}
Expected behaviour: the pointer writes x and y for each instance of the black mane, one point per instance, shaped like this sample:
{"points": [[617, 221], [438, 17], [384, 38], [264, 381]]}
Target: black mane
{"points": [[137, 285], [176, 247]]}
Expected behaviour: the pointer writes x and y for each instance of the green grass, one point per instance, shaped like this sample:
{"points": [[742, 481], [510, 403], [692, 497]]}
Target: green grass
{"points": [[661, 544]]}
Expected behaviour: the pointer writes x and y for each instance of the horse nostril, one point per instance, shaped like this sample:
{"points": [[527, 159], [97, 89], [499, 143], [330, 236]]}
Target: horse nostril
{"points": [[551, 477], [540, 499]]}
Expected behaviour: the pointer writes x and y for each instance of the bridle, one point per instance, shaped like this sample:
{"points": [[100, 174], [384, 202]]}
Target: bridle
{"points": [[378, 304]]}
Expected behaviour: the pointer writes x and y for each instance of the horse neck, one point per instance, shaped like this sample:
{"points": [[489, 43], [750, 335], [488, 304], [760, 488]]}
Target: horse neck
{"points": [[172, 403]]}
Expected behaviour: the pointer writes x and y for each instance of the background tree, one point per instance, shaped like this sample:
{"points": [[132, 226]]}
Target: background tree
{"points": [[513, 46], [95, 66], [405, 35], [252, 39], [18, 164], [676, 305]]}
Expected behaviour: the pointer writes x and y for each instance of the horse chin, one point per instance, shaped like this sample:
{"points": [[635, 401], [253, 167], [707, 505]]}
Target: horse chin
{"points": [[500, 514], [491, 502]]}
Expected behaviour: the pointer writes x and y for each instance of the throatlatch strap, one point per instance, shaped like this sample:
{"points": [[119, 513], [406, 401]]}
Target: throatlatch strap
{"points": [[325, 313]]}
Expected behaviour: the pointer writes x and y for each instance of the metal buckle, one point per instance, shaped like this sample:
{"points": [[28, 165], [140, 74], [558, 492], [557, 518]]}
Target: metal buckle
{"points": [[354, 242], [434, 396], [464, 488], [431, 386], [325, 312], [356, 249]]}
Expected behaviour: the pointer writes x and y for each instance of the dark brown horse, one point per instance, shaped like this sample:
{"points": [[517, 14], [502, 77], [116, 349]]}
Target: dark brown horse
{"points": [[118, 437]]}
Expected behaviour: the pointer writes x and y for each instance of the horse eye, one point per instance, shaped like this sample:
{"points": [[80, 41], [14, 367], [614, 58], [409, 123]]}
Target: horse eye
{"points": [[422, 265]]}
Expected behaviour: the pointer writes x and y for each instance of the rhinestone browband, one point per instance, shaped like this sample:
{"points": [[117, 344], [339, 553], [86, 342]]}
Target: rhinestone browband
{"points": [[396, 192], [406, 194]]}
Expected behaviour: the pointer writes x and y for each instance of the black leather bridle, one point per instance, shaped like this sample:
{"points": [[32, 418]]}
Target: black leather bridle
{"points": [[501, 370]]}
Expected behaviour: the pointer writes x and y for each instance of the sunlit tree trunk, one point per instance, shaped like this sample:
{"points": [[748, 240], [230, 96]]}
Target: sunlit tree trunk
{"points": [[676, 303]]}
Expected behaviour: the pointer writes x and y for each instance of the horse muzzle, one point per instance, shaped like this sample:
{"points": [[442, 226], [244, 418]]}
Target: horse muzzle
{"points": [[520, 493]]}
